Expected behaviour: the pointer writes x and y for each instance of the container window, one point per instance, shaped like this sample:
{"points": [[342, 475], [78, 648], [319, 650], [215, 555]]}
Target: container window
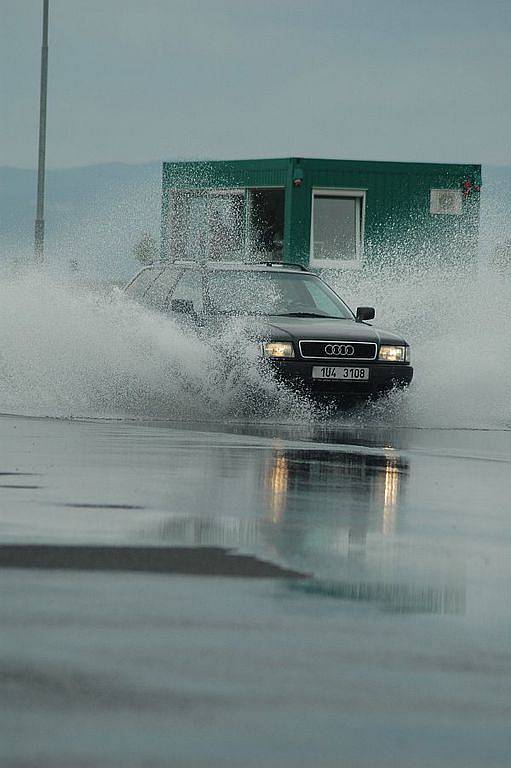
{"points": [[337, 228], [226, 226], [206, 225]]}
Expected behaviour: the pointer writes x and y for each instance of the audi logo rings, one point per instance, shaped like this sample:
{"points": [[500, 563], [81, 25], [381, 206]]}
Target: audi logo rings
{"points": [[340, 350]]}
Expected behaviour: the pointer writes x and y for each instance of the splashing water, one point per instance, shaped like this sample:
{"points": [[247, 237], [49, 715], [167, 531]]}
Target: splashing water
{"points": [[458, 324], [70, 351]]}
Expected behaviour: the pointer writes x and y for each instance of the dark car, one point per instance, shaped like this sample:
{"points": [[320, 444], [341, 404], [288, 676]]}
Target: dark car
{"points": [[311, 338]]}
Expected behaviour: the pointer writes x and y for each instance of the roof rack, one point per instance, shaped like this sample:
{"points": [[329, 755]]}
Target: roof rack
{"points": [[207, 262], [292, 265]]}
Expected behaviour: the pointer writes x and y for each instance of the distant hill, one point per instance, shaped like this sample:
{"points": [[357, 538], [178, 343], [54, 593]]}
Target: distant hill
{"points": [[96, 214]]}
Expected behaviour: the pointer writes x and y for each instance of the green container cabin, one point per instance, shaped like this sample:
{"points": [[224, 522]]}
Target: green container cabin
{"points": [[324, 214]]}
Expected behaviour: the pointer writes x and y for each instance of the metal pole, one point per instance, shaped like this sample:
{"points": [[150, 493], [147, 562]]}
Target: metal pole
{"points": [[39, 221]]}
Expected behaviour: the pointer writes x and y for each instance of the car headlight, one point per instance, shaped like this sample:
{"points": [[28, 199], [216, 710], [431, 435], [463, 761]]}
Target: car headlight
{"points": [[278, 349], [394, 354]]}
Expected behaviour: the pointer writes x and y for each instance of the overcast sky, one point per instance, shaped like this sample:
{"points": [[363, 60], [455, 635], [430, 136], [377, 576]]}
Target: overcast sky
{"points": [[140, 80]]}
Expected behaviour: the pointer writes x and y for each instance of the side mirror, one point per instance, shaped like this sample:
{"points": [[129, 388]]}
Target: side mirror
{"points": [[365, 313], [182, 307]]}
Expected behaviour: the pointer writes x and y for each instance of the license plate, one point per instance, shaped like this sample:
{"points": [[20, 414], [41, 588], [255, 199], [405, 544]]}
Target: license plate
{"points": [[336, 373]]}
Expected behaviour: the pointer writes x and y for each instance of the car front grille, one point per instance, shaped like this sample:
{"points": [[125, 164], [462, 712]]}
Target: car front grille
{"points": [[338, 350]]}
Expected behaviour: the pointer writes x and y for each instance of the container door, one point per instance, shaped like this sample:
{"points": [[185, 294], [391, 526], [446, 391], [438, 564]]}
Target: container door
{"points": [[265, 224]]}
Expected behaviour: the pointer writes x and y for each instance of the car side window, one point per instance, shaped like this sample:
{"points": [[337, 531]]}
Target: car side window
{"points": [[157, 293], [189, 288], [141, 282]]}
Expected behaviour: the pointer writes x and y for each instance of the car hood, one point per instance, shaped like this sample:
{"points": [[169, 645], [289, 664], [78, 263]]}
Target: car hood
{"points": [[326, 329]]}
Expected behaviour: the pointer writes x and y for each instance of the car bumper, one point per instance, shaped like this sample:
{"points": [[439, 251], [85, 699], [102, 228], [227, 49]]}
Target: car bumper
{"points": [[382, 378]]}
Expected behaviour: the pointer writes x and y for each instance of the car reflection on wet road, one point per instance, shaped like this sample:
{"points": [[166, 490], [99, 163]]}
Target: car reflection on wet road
{"points": [[375, 624]]}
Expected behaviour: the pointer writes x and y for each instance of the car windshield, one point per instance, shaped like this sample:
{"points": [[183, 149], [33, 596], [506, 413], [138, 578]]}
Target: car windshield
{"points": [[293, 294]]}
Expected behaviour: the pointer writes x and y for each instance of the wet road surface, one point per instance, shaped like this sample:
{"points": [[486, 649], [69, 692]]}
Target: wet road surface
{"points": [[374, 629]]}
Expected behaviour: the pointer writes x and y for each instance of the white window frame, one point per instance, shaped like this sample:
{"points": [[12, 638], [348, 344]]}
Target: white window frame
{"points": [[360, 194]]}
